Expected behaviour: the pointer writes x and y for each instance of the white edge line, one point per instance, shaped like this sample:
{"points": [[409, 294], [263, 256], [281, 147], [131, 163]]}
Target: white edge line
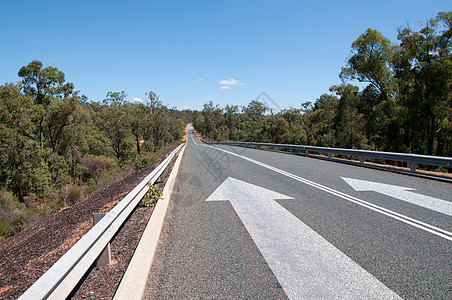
{"points": [[413, 222], [134, 281]]}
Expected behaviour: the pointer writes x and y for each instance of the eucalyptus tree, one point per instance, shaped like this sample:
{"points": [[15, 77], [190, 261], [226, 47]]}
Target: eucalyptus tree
{"points": [[424, 71], [22, 168], [370, 62], [43, 85], [114, 119], [349, 122], [320, 121]]}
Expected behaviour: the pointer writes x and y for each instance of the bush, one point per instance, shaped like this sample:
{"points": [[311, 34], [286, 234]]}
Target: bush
{"points": [[141, 161], [13, 215], [441, 170], [97, 166], [128, 150], [74, 194], [70, 194], [152, 196], [5, 229]]}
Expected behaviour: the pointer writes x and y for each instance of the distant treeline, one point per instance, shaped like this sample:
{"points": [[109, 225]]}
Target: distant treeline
{"points": [[406, 106], [55, 145]]}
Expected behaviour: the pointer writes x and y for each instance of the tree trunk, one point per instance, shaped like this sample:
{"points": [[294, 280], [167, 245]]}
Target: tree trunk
{"points": [[138, 144], [41, 132], [430, 136]]}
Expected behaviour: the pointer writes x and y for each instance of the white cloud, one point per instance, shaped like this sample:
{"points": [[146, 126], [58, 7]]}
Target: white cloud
{"points": [[228, 84], [199, 79], [187, 107], [138, 99], [231, 81]]}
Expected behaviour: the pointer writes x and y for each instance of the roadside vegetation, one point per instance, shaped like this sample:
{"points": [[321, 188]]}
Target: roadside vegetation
{"points": [[405, 106], [56, 146]]}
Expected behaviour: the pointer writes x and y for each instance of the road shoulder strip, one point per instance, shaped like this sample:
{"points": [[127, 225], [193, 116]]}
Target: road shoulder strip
{"points": [[133, 284]]}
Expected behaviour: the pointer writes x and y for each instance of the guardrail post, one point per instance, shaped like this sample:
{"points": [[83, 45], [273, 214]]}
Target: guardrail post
{"points": [[412, 166], [104, 258], [329, 155], [361, 160], [306, 152]]}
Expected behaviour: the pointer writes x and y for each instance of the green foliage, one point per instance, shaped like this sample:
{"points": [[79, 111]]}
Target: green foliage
{"points": [[5, 228], [152, 196], [142, 161], [370, 62], [128, 151], [423, 67], [12, 214], [74, 193], [42, 84], [55, 145], [97, 165]]}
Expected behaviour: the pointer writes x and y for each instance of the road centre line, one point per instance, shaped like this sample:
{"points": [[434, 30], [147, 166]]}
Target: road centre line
{"points": [[193, 139], [400, 217]]}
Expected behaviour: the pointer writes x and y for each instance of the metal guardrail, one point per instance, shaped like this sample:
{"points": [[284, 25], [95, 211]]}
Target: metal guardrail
{"points": [[411, 159], [60, 280]]}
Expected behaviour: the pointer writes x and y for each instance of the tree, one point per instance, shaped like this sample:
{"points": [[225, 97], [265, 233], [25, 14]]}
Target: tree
{"points": [[61, 115], [96, 166], [254, 120], [113, 119], [17, 145], [424, 71], [155, 109], [115, 98], [43, 85], [138, 123], [370, 62], [320, 121], [349, 122]]}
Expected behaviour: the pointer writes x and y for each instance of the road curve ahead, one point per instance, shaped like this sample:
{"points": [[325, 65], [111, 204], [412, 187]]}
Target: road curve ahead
{"points": [[246, 223]]}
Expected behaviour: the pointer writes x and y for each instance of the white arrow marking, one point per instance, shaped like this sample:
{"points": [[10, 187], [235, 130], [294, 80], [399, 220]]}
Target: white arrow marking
{"points": [[306, 265], [407, 220], [401, 193]]}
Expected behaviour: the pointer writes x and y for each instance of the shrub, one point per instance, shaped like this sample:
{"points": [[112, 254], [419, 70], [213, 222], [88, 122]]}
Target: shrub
{"points": [[152, 196], [74, 194], [141, 161], [97, 166], [5, 228], [70, 194]]}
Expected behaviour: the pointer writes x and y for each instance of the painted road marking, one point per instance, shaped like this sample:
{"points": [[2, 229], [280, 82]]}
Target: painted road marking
{"points": [[401, 193], [387, 212], [306, 265], [192, 133]]}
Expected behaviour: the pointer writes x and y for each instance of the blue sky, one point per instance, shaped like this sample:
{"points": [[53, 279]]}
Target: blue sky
{"points": [[191, 52]]}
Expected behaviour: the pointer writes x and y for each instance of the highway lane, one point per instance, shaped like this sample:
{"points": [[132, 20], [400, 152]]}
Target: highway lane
{"points": [[211, 250]]}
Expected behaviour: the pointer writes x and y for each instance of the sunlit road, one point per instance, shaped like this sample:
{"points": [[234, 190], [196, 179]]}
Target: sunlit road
{"points": [[247, 223]]}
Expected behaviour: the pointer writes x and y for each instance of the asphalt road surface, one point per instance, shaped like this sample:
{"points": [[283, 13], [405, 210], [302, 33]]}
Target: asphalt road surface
{"points": [[253, 224]]}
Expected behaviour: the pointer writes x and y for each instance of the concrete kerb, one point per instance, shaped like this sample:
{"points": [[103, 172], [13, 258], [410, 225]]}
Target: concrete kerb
{"points": [[133, 283]]}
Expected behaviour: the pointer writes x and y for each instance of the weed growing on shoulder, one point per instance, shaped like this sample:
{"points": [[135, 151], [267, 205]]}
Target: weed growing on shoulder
{"points": [[152, 196]]}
